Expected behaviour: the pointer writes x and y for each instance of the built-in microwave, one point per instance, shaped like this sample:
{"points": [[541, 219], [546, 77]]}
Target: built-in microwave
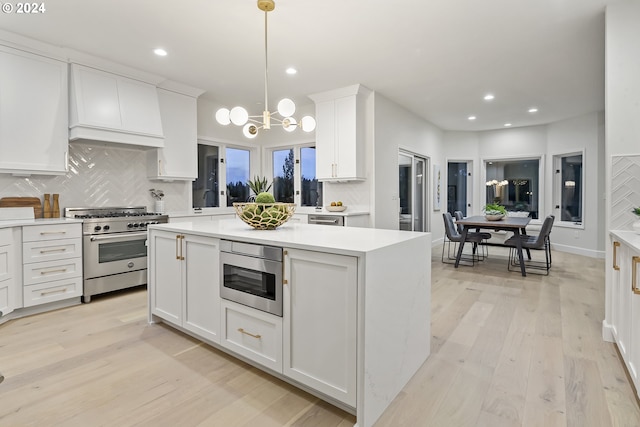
{"points": [[251, 274]]}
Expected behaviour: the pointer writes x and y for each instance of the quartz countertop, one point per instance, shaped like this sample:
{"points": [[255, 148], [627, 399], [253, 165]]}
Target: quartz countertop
{"points": [[342, 240], [37, 221], [631, 238]]}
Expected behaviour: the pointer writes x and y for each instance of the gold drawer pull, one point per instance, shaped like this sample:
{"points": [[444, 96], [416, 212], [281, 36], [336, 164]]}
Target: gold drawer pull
{"points": [[53, 291], [634, 274], [46, 251], [616, 245], [242, 331], [61, 270], [44, 233]]}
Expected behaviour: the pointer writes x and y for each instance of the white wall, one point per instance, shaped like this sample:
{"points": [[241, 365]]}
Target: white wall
{"points": [[396, 128]]}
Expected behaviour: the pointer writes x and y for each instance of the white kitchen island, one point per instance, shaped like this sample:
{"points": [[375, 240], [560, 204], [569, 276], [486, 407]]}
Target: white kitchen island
{"points": [[356, 305]]}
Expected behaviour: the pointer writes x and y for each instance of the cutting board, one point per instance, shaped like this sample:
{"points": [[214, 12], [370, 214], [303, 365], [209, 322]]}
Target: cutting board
{"points": [[22, 202]]}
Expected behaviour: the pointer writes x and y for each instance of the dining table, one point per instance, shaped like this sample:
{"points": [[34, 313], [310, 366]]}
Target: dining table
{"points": [[517, 225]]}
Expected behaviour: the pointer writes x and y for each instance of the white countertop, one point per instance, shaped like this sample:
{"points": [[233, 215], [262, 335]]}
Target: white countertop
{"points": [[302, 210], [38, 221], [631, 238], [342, 240]]}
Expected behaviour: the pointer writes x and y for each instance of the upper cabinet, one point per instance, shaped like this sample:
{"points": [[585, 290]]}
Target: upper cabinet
{"points": [[341, 133], [113, 108], [33, 113], [178, 159]]}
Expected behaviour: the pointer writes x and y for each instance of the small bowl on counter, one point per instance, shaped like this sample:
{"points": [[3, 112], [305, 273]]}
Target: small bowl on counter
{"points": [[335, 208]]}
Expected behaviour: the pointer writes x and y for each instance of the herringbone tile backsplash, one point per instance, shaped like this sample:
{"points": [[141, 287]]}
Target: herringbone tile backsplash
{"points": [[100, 175], [625, 183]]}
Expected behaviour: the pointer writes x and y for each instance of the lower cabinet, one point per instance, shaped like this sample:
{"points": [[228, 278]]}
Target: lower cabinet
{"points": [[7, 273], [319, 322], [185, 273], [625, 295], [253, 334]]}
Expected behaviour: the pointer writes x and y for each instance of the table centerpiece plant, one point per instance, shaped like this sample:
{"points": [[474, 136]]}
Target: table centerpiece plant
{"points": [[261, 211], [494, 211]]}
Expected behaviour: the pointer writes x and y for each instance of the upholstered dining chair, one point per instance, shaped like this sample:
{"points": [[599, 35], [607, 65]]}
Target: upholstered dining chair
{"points": [[451, 235], [485, 236], [540, 242]]}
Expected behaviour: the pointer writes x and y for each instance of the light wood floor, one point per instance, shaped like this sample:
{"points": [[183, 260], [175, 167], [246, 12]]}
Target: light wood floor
{"points": [[506, 351]]}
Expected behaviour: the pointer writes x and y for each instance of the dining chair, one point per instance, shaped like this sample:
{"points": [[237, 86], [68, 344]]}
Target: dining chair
{"points": [[540, 242], [451, 235], [485, 236]]}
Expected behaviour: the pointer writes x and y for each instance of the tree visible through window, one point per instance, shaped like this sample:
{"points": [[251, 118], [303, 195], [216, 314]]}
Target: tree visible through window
{"points": [[283, 171], [237, 175]]}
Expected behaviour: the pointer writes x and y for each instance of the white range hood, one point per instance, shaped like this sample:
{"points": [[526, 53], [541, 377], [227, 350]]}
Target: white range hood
{"points": [[112, 108]]}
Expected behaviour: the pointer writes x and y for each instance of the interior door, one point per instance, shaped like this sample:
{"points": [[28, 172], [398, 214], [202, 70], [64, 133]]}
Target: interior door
{"points": [[413, 181], [459, 187]]}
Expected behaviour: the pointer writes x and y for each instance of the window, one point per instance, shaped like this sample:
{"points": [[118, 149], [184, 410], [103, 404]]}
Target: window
{"points": [[296, 185], [237, 175], [515, 184], [568, 187], [206, 189]]}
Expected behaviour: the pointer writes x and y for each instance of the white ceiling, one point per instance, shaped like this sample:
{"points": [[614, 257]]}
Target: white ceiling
{"points": [[437, 58]]}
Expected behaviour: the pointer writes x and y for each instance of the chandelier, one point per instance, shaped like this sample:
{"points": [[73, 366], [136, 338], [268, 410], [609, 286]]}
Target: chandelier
{"points": [[286, 107]]}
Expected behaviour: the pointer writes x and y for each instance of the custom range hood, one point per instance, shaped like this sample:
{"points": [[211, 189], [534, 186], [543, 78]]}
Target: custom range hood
{"points": [[112, 108]]}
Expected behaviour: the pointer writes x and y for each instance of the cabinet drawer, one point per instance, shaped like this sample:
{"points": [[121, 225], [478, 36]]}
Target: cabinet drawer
{"points": [[51, 250], [47, 271], [35, 233], [56, 290], [253, 334]]}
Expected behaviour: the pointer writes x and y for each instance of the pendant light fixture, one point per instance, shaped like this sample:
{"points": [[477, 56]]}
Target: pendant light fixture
{"points": [[286, 107]]}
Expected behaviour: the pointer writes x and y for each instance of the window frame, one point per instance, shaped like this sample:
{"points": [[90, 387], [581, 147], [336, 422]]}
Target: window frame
{"points": [[541, 180], [297, 167], [222, 176], [557, 189]]}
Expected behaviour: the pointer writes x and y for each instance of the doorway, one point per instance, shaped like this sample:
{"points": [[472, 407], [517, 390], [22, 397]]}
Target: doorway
{"points": [[459, 187], [413, 180]]}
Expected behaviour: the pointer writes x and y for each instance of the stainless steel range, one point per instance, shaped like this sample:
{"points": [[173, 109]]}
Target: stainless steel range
{"points": [[114, 246]]}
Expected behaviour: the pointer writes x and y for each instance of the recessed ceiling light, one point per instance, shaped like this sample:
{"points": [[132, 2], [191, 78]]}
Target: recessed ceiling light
{"points": [[291, 71], [507, 125], [471, 117], [533, 110], [160, 52], [489, 97]]}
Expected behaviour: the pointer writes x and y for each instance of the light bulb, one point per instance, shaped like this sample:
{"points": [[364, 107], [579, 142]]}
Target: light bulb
{"points": [[308, 123], [250, 130], [222, 116], [289, 124], [286, 107], [238, 116]]}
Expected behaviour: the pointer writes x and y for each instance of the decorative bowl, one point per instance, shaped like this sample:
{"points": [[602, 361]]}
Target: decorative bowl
{"points": [[494, 217], [336, 208], [264, 216]]}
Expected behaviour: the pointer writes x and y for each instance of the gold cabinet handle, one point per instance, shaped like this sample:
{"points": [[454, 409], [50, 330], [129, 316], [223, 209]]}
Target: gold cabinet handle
{"points": [[54, 291], [46, 251], [181, 248], [242, 331], [616, 245], [634, 274], [44, 233], [177, 246], [62, 270]]}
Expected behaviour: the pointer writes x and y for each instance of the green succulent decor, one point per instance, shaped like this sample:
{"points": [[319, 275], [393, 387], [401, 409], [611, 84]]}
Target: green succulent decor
{"points": [[495, 209], [259, 185], [636, 211]]}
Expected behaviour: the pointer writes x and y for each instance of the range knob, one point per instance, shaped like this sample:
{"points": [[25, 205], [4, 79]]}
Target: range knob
{"points": [[106, 227], [129, 225], [97, 228], [136, 225]]}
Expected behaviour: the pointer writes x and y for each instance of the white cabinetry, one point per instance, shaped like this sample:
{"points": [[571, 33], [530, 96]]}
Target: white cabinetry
{"points": [[185, 273], [109, 107], [341, 134], [253, 334], [319, 322], [33, 113], [52, 263], [7, 273], [178, 159], [625, 295]]}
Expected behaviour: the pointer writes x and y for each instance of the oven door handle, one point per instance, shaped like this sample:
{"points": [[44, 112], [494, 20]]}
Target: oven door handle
{"points": [[118, 236]]}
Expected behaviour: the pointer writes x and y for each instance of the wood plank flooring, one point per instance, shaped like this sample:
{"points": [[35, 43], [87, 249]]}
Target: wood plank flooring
{"points": [[506, 351]]}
